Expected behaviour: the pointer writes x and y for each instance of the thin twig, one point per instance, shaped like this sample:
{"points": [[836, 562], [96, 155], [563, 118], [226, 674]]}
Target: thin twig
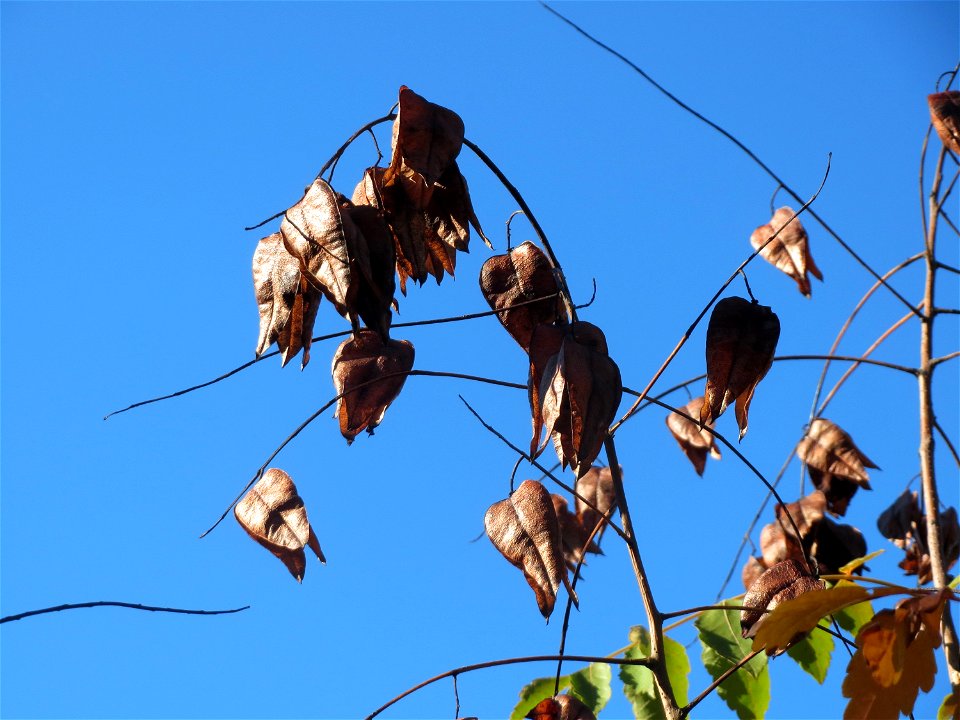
{"points": [[850, 370], [329, 404], [573, 585], [846, 326], [946, 439], [943, 358], [730, 446], [685, 711], [507, 661], [112, 603], [734, 140], [689, 331], [333, 336]]}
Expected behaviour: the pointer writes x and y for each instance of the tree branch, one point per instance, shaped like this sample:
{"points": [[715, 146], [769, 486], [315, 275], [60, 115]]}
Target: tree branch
{"points": [[112, 603], [507, 661], [749, 153]]}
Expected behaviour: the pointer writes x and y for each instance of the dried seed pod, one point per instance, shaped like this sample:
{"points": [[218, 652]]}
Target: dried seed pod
{"points": [[315, 231], [373, 260], [578, 396], [369, 374], [561, 707], [286, 301], [695, 442], [741, 340], [273, 514], [790, 250], [595, 486], [945, 116], [784, 581], [573, 535], [519, 276], [525, 529], [837, 466]]}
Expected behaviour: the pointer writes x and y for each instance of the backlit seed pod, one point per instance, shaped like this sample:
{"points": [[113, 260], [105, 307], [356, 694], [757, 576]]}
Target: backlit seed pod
{"points": [[789, 251], [945, 116], [837, 466], [525, 529], [369, 374], [519, 276], [741, 340], [784, 581], [695, 442], [272, 513]]}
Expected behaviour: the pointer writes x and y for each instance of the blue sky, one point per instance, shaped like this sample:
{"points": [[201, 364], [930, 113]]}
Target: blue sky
{"points": [[138, 139]]}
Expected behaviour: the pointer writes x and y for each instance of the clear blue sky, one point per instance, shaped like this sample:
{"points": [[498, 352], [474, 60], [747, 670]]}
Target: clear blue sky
{"points": [[138, 139]]}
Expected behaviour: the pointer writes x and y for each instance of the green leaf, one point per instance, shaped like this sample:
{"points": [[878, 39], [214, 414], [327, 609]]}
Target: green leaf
{"points": [[854, 617], [638, 683], [746, 692], [813, 654], [720, 630], [591, 686], [949, 709], [534, 692]]}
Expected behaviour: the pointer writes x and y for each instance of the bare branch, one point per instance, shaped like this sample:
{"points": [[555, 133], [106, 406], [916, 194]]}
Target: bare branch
{"points": [[507, 661], [112, 603], [749, 153]]}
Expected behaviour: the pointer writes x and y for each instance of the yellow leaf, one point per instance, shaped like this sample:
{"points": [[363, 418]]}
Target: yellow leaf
{"points": [[854, 564], [803, 613]]}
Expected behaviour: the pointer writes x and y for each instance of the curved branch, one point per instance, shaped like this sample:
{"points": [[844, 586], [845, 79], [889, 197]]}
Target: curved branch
{"points": [[332, 336], [849, 321], [506, 661], [112, 603], [327, 405], [850, 370], [689, 332], [736, 142], [542, 236]]}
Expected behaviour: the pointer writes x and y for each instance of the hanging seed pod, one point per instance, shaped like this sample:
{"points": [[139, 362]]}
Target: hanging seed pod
{"points": [[741, 340], [837, 466], [695, 442], [945, 116], [369, 375], [790, 250], [273, 514], [784, 581], [525, 529], [519, 276]]}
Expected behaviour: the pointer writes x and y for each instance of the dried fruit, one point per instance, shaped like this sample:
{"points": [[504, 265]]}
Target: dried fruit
{"points": [[561, 707], [596, 487], [741, 339], [273, 514], [573, 535], [906, 526], [830, 544], [945, 116], [525, 529], [316, 233], [836, 464], [790, 250], [576, 397], [372, 264], [286, 301], [368, 373], [694, 441], [519, 276], [784, 581]]}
